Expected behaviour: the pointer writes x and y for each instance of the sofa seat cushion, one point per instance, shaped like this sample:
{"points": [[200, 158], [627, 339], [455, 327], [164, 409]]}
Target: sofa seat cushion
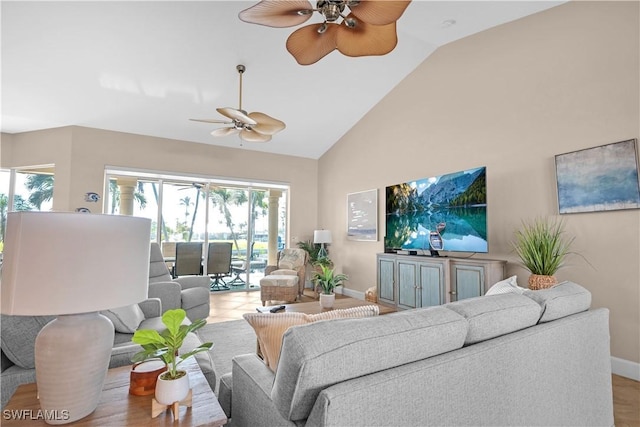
{"points": [[564, 299], [18, 337], [319, 354], [270, 327], [492, 316]]}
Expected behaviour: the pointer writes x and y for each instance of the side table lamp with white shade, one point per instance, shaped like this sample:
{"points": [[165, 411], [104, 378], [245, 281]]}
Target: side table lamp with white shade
{"points": [[73, 265], [322, 237]]}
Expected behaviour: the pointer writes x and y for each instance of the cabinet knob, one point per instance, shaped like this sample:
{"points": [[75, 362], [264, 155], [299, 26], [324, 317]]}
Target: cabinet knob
{"points": [[453, 293]]}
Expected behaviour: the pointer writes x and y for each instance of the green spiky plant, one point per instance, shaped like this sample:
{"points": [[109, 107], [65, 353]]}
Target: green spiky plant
{"points": [[326, 279], [165, 345], [542, 245]]}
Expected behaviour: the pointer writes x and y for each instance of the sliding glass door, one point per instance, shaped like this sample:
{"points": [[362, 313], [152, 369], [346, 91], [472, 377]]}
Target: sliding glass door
{"points": [[209, 210]]}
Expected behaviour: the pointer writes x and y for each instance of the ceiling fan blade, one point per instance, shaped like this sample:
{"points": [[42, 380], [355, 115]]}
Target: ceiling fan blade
{"points": [[251, 136], [308, 46], [366, 39], [224, 131], [234, 114], [277, 13], [226, 122], [379, 12], [267, 125]]}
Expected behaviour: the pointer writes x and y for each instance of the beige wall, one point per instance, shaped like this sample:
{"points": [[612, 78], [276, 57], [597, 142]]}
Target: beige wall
{"points": [[81, 155], [510, 99]]}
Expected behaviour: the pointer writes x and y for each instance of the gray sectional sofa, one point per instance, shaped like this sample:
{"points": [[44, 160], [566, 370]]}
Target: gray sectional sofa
{"points": [[540, 358], [19, 333]]}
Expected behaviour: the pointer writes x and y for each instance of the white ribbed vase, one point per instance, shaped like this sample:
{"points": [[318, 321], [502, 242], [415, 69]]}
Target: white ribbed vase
{"points": [[327, 300], [72, 355]]}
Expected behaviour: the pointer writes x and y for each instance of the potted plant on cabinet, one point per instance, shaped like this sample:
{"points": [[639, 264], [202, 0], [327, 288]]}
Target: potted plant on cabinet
{"points": [[327, 280], [173, 384], [542, 247]]}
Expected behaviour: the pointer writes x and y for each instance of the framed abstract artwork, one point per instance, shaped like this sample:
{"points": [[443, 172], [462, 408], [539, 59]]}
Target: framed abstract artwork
{"points": [[603, 178], [362, 216]]}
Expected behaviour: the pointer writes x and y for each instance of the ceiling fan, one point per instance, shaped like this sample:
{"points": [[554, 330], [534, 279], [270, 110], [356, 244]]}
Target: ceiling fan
{"points": [[251, 127], [369, 28]]}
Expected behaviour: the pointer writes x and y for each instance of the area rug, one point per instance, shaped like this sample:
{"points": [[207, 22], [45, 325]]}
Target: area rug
{"points": [[229, 339]]}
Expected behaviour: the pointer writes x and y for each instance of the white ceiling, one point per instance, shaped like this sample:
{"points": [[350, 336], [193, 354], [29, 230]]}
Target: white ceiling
{"points": [[147, 67]]}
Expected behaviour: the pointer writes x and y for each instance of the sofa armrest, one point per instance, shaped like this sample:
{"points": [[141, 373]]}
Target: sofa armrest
{"points": [[188, 282], [168, 293], [251, 397], [151, 307]]}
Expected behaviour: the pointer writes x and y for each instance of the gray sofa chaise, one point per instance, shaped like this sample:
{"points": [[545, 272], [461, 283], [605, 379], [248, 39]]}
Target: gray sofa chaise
{"points": [[540, 358], [19, 333]]}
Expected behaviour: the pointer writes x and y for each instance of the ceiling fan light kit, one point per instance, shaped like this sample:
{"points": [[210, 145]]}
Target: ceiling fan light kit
{"points": [[369, 29], [251, 127]]}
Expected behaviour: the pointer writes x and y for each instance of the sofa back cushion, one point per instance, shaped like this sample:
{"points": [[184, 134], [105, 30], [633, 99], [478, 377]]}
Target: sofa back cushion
{"points": [[495, 315], [320, 354], [561, 300], [158, 271], [18, 336]]}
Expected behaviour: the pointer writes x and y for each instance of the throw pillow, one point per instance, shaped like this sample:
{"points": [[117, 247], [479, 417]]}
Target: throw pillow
{"points": [[125, 319], [270, 328], [506, 286]]}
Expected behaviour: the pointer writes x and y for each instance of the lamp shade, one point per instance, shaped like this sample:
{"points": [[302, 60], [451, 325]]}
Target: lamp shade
{"points": [[322, 236], [64, 263]]}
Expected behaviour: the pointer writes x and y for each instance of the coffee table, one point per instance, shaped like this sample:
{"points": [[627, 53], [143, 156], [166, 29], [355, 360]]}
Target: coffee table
{"points": [[314, 307], [118, 408]]}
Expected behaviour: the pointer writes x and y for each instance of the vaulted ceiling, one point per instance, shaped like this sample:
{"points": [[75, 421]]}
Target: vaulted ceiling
{"points": [[146, 67]]}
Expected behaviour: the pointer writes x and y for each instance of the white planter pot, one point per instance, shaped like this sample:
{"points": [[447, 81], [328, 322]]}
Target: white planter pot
{"points": [[326, 300], [170, 391]]}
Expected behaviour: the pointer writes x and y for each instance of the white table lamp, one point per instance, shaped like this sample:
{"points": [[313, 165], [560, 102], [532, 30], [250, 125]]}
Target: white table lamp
{"points": [[322, 237], [73, 265]]}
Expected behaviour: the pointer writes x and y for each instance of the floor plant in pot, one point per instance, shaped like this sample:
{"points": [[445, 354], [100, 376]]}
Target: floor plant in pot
{"points": [[542, 246], [327, 280], [173, 384]]}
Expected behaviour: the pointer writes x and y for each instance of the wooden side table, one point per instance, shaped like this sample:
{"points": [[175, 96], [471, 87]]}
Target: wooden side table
{"points": [[118, 408]]}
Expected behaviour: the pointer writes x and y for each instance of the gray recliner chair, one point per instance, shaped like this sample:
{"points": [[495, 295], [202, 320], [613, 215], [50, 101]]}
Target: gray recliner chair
{"points": [[193, 291]]}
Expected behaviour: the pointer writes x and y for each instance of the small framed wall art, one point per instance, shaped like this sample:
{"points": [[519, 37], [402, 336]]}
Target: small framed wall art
{"points": [[602, 178], [362, 216]]}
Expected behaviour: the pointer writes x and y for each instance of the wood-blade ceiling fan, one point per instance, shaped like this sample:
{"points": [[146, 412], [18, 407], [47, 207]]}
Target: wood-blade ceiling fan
{"points": [[369, 28], [251, 127]]}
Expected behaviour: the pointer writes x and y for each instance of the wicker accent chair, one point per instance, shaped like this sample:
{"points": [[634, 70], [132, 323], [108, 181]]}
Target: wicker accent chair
{"points": [[285, 281]]}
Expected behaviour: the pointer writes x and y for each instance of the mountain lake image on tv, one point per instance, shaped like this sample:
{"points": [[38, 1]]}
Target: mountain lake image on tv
{"points": [[452, 207]]}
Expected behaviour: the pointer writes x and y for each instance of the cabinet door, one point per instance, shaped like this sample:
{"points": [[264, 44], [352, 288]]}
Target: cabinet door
{"points": [[386, 277], [407, 283], [467, 281], [432, 286]]}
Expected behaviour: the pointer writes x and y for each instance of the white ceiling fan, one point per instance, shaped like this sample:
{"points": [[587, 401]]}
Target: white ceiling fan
{"points": [[251, 127]]}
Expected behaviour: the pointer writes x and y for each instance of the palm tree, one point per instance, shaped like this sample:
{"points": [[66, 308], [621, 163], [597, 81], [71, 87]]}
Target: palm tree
{"points": [[41, 188], [223, 198]]}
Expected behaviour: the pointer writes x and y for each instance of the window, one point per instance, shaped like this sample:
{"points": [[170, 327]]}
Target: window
{"points": [[25, 189]]}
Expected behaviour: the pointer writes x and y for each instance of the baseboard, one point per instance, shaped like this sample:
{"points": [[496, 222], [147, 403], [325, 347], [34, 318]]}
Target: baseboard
{"points": [[625, 368], [350, 293]]}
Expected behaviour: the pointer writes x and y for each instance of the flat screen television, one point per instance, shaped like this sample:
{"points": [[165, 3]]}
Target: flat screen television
{"points": [[448, 210]]}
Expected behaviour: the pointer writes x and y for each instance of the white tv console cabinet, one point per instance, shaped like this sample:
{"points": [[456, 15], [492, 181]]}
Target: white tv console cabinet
{"points": [[410, 281]]}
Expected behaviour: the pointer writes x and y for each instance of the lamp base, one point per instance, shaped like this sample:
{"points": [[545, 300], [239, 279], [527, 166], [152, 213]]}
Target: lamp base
{"points": [[72, 356]]}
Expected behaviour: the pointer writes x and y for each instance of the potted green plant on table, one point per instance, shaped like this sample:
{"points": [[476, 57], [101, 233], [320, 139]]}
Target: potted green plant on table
{"points": [[173, 384], [542, 246], [327, 280]]}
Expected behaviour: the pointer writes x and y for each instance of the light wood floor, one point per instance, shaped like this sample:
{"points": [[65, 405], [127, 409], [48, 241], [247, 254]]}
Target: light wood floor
{"points": [[232, 305]]}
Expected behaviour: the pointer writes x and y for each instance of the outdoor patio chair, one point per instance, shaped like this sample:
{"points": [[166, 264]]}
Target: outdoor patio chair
{"points": [[219, 264]]}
